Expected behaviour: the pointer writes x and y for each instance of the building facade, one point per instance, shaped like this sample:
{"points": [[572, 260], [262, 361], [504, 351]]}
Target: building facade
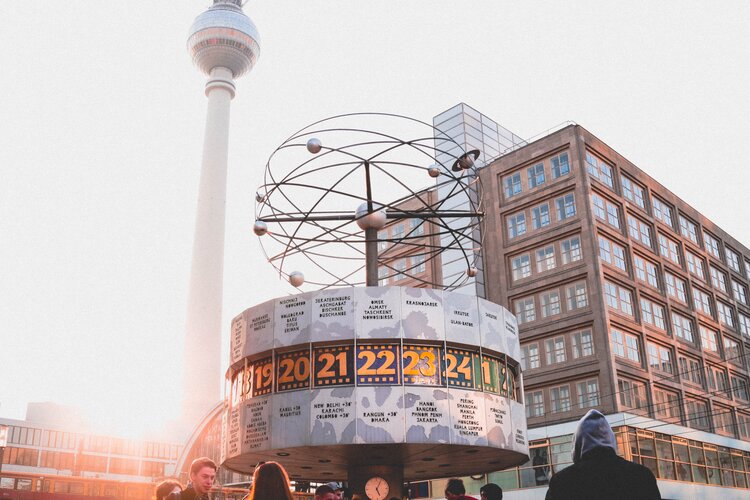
{"points": [[629, 301]]}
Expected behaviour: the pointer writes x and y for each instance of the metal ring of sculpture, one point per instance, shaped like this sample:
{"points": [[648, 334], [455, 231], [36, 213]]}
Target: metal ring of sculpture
{"points": [[335, 178]]}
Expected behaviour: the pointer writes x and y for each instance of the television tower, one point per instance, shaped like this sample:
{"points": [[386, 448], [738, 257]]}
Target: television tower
{"points": [[224, 44]]}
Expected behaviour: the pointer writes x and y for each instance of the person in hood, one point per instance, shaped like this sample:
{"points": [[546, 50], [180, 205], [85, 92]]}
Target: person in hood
{"points": [[597, 472]]}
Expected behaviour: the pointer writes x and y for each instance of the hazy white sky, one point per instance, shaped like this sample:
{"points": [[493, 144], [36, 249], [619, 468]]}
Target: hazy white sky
{"points": [[101, 126]]}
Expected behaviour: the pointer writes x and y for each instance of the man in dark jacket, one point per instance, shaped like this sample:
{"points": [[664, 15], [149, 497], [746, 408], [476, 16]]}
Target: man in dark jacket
{"points": [[597, 472]]}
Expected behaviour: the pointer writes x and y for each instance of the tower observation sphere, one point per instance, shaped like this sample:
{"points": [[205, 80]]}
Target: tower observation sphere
{"points": [[223, 36]]}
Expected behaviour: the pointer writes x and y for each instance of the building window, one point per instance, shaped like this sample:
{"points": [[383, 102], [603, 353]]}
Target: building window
{"points": [[416, 227], [646, 271], [540, 216], [397, 232], [633, 192], [545, 259], [512, 185], [732, 350], [695, 265], [702, 301], [516, 225], [697, 414], [717, 380], [417, 262], [718, 279], [535, 404], [652, 314], [618, 298], [550, 302], [739, 292], [632, 394], [662, 211], [535, 175], [739, 388], [598, 169], [521, 267], [709, 339], [691, 371], [639, 231], [606, 211], [688, 229], [560, 165], [676, 287], [612, 253], [660, 358], [588, 393], [566, 207], [747, 269], [669, 249], [576, 295], [744, 324], [625, 345], [743, 425], [555, 350], [571, 250], [711, 244], [666, 405], [525, 312], [725, 314], [400, 268], [682, 327], [733, 260], [582, 344], [559, 399], [382, 276], [530, 356]]}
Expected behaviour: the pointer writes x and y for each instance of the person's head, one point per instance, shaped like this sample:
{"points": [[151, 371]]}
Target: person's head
{"points": [[491, 491], [270, 482], [164, 488], [202, 474], [454, 488], [593, 431], [325, 492], [338, 490]]}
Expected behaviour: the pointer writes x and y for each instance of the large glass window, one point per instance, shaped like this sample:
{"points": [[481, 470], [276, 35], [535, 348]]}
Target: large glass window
{"points": [[571, 250], [540, 216], [612, 253], [625, 345], [606, 210], [512, 185], [669, 249], [530, 356], [718, 279], [550, 302], [709, 339], [739, 292], [702, 301], [660, 358], [695, 265], [691, 370], [725, 314], [576, 296], [639, 231], [733, 259], [516, 225], [560, 165], [662, 211], [618, 298], [652, 314], [559, 398], [599, 169], [566, 206], [535, 175], [521, 267], [534, 404], [633, 191], [588, 393], [682, 327], [676, 287], [646, 271], [525, 311], [545, 259], [632, 394], [688, 229], [711, 244], [555, 349], [582, 344]]}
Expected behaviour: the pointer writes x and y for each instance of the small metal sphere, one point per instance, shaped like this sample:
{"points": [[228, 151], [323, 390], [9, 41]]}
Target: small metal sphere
{"points": [[314, 145], [375, 220], [471, 272], [259, 197], [433, 171], [260, 228], [297, 279]]}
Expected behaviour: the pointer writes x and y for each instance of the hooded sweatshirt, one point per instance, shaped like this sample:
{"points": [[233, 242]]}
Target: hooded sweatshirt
{"points": [[593, 431]]}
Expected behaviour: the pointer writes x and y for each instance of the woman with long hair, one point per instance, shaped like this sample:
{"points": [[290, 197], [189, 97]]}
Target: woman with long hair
{"points": [[165, 488], [270, 482]]}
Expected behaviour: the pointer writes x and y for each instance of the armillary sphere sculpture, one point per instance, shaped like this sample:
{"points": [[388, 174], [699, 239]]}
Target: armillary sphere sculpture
{"points": [[331, 188]]}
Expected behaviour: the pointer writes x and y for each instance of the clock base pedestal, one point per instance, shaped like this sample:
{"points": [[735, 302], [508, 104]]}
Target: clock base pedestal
{"points": [[359, 475]]}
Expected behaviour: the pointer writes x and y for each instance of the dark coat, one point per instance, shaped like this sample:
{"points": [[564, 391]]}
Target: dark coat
{"points": [[601, 474], [189, 493]]}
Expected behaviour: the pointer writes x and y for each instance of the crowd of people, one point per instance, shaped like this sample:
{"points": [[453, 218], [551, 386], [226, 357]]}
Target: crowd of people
{"points": [[597, 472]]}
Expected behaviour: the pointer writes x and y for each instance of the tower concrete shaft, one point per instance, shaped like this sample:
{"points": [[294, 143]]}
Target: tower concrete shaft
{"points": [[203, 326]]}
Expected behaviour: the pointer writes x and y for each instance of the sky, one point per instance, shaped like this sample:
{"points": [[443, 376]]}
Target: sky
{"points": [[101, 131]]}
